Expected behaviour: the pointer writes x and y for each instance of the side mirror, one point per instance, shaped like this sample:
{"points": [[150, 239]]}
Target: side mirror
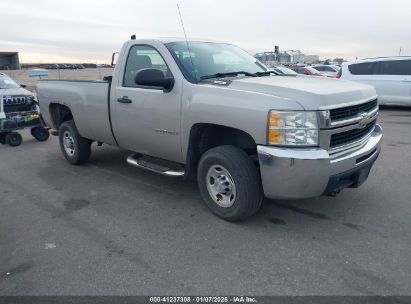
{"points": [[23, 85], [154, 78], [113, 57]]}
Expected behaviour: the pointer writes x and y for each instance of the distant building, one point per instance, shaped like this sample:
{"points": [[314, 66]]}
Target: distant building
{"points": [[312, 59], [297, 56], [285, 57], [268, 58], [9, 61]]}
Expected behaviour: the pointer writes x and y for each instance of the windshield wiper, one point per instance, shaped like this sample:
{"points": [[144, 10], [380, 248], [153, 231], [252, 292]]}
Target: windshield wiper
{"points": [[227, 74], [265, 73]]}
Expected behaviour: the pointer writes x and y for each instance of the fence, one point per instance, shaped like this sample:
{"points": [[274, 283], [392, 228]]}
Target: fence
{"points": [[23, 76]]}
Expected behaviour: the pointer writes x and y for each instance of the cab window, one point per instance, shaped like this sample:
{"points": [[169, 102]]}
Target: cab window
{"points": [[142, 57]]}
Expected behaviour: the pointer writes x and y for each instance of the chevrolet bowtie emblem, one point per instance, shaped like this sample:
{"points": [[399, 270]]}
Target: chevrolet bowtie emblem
{"points": [[364, 121]]}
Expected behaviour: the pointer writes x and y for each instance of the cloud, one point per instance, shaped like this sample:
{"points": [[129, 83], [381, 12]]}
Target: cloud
{"points": [[77, 30]]}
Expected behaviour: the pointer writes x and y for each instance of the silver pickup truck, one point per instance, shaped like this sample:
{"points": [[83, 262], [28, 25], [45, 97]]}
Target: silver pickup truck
{"points": [[212, 112]]}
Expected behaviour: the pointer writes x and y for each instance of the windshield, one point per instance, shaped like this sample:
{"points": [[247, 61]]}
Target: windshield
{"points": [[205, 59], [7, 83]]}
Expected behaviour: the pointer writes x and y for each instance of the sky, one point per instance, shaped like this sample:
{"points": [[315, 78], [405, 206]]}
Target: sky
{"points": [[45, 31]]}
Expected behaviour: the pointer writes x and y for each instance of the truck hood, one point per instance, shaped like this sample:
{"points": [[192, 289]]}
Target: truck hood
{"points": [[17, 91], [310, 92]]}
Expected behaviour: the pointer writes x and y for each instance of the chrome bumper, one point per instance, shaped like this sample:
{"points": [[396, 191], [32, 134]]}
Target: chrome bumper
{"points": [[305, 173]]}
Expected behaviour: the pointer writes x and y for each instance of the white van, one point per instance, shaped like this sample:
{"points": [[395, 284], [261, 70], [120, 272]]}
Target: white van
{"points": [[391, 77]]}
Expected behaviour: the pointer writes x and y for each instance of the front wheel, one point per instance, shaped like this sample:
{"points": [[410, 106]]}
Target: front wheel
{"points": [[229, 183], [40, 133], [76, 149]]}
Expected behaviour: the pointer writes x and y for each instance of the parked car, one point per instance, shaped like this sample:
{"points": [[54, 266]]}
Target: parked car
{"points": [[331, 70], [216, 114], [284, 71], [306, 70], [53, 67], [89, 65], [391, 77]]}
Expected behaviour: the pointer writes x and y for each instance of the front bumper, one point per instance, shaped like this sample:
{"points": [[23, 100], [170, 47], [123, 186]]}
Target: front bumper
{"points": [[289, 173]]}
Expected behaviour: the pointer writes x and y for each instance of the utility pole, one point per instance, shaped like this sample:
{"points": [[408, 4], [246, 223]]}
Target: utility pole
{"points": [[400, 51]]}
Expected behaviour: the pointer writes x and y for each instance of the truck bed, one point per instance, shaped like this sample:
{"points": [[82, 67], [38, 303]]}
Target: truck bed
{"points": [[87, 100]]}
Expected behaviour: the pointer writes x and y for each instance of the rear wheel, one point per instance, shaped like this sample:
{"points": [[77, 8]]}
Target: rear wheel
{"points": [[229, 183], [40, 133], [76, 149], [14, 139], [3, 138]]}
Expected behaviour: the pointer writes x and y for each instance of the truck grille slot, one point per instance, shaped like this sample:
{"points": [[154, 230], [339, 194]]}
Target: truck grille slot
{"points": [[14, 100], [352, 111], [351, 135], [18, 103]]}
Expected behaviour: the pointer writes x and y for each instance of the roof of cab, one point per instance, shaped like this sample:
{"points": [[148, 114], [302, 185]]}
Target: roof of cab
{"points": [[179, 39]]}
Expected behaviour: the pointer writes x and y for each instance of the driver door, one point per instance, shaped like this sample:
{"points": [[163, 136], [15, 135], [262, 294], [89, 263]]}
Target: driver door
{"points": [[147, 120]]}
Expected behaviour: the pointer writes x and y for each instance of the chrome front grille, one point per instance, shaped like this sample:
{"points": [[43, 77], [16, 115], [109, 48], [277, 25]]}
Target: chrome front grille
{"points": [[348, 126], [351, 136], [14, 100], [352, 111]]}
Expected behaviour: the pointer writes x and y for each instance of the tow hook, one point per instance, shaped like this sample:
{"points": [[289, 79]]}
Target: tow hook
{"points": [[334, 194]]}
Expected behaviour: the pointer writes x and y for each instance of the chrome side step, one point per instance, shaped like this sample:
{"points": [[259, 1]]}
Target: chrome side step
{"points": [[144, 162]]}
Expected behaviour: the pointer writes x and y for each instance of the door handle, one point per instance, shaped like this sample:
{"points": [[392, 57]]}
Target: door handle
{"points": [[124, 99]]}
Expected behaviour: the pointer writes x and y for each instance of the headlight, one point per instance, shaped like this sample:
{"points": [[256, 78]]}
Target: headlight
{"points": [[293, 128], [30, 99]]}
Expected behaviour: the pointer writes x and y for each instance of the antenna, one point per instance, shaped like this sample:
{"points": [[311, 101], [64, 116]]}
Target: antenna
{"points": [[185, 36]]}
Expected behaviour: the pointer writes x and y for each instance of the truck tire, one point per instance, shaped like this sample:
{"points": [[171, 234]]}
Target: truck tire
{"points": [[40, 133], [3, 138], [76, 149], [14, 139], [229, 183]]}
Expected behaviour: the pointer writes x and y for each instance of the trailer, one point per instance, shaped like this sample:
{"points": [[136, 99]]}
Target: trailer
{"points": [[17, 113]]}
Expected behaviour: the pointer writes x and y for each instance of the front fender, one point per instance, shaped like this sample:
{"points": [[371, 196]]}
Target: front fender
{"points": [[242, 110]]}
